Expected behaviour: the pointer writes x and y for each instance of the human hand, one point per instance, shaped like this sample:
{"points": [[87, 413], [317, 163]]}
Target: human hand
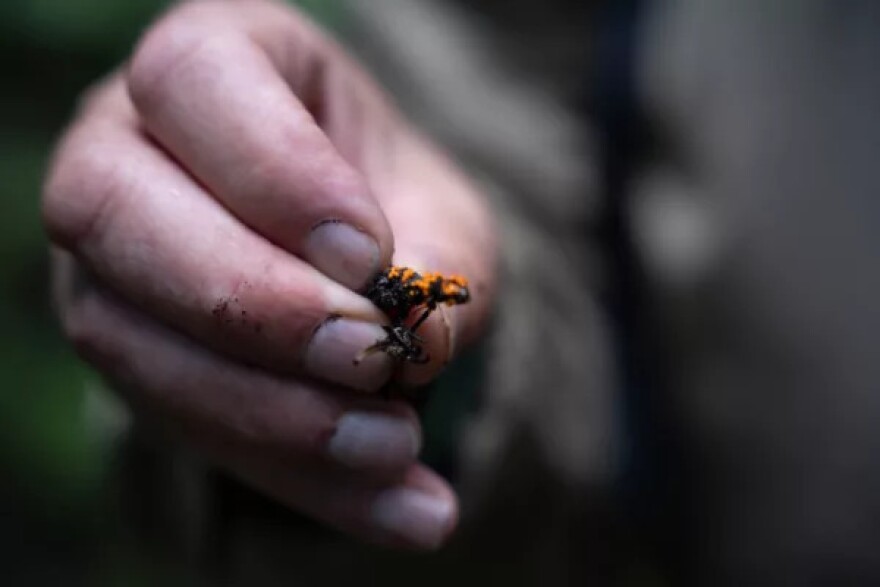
{"points": [[214, 209]]}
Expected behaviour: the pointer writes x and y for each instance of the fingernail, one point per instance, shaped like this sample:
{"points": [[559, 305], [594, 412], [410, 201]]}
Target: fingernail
{"points": [[336, 345], [374, 440], [416, 517], [343, 253]]}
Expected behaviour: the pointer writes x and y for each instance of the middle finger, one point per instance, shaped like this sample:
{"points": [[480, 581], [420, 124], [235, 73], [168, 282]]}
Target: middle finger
{"points": [[149, 231]]}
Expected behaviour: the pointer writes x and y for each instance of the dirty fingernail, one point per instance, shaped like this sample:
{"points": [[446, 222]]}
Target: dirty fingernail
{"points": [[335, 347], [420, 519], [374, 440], [343, 253]]}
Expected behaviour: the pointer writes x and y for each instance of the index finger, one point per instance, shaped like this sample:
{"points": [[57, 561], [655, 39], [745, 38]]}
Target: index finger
{"points": [[445, 225], [222, 87]]}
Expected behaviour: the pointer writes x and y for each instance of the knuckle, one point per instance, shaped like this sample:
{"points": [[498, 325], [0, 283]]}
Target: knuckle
{"points": [[92, 326], [173, 45], [82, 325], [95, 96], [162, 50], [68, 280], [81, 188]]}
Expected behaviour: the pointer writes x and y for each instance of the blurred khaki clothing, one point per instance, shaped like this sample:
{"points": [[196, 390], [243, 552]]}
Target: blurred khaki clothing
{"points": [[750, 231]]}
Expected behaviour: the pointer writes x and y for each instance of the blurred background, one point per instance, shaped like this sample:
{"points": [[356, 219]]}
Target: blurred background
{"points": [[54, 522], [768, 364]]}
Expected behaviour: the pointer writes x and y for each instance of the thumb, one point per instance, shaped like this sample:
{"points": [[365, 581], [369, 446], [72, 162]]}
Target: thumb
{"points": [[441, 223]]}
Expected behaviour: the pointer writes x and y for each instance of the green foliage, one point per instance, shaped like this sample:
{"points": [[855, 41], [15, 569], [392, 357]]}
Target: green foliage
{"points": [[81, 25]]}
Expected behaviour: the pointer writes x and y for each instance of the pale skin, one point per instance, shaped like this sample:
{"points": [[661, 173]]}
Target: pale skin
{"points": [[215, 206]]}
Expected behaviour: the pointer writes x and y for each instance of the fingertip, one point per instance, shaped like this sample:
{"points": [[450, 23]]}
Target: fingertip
{"points": [[438, 331], [343, 253], [421, 513], [368, 439], [331, 354]]}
